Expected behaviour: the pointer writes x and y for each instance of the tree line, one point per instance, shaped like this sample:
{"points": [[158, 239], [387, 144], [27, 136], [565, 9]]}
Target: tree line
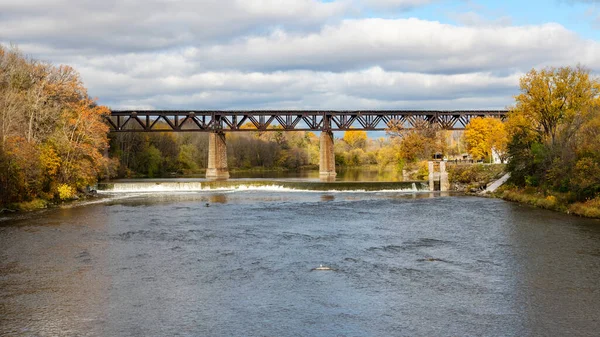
{"points": [[51, 132]]}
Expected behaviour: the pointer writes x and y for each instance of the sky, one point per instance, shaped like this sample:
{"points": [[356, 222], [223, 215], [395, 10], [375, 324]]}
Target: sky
{"points": [[305, 54]]}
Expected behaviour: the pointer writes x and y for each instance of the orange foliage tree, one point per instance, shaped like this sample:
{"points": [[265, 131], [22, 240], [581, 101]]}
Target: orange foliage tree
{"points": [[52, 134]]}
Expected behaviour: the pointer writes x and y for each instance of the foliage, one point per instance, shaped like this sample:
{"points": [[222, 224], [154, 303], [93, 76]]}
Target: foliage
{"points": [[478, 173], [590, 208], [536, 199], [418, 143], [554, 132], [32, 205], [473, 177], [357, 139], [51, 132], [66, 192], [484, 135]]}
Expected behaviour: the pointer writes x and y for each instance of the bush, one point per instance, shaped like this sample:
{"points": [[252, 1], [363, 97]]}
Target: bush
{"points": [[476, 174], [590, 208], [32, 205], [65, 192], [536, 198]]}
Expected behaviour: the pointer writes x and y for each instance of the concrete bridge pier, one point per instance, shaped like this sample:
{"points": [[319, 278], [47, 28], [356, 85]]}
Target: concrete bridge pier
{"points": [[444, 183], [217, 156], [441, 176], [327, 157], [431, 176]]}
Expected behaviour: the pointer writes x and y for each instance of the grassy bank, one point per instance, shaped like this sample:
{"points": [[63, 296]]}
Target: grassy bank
{"points": [[25, 206], [473, 177], [39, 203], [550, 200]]}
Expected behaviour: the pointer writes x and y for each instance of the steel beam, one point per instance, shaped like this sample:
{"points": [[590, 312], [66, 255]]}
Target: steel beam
{"points": [[288, 120]]}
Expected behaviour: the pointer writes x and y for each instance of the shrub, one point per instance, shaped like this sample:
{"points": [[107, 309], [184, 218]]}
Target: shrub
{"points": [[32, 205], [590, 208], [65, 192]]}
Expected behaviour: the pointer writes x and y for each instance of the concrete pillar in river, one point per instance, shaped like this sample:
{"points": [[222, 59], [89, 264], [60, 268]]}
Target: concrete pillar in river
{"points": [[431, 176], [444, 183], [327, 156], [217, 156]]}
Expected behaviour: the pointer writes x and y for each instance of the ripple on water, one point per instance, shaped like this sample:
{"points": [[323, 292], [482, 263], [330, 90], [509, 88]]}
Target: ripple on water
{"points": [[243, 267]]}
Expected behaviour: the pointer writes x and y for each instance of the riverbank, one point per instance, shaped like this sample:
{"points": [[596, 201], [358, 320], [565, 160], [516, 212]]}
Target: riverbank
{"points": [[550, 200], [39, 204], [473, 178]]}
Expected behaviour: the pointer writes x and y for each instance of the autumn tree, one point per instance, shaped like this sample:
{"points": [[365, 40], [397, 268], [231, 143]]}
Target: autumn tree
{"points": [[484, 136], [356, 139], [420, 142], [52, 134], [552, 130]]}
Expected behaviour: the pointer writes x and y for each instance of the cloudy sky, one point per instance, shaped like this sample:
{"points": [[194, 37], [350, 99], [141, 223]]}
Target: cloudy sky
{"points": [[305, 54]]}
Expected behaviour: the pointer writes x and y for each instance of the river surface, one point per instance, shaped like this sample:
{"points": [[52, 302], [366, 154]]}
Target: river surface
{"points": [[241, 263]]}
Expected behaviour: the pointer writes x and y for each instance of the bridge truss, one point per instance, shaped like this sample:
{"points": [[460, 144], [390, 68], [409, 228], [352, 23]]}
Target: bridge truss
{"points": [[288, 120]]}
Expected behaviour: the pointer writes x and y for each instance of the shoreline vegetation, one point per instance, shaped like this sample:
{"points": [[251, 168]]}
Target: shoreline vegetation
{"points": [[54, 143], [467, 179], [551, 201]]}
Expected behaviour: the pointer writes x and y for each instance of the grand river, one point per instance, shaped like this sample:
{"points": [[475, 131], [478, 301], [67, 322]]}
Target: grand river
{"points": [[241, 262]]}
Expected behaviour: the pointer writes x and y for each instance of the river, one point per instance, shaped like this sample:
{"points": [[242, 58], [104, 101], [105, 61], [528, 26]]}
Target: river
{"points": [[240, 262]]}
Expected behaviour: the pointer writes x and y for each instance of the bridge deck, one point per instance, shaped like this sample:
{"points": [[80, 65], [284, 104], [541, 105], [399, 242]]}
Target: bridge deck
{"points": [[288, 120]]}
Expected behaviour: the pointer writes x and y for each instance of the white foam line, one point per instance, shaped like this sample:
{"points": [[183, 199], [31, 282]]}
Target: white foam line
{"points": [[249, 188]]}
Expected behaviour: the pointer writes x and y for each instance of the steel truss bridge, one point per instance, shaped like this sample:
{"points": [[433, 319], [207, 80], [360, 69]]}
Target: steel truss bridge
{"points": [[288, 120]]}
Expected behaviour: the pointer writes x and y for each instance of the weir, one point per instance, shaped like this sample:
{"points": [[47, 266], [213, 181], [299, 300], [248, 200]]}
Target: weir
{"points": [[187, 185]]}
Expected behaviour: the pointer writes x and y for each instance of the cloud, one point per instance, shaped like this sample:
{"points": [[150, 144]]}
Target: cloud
{"points": [[405, 45], [117, 26], [477, 20], [401, 4], [370, 88], [239, 54]]}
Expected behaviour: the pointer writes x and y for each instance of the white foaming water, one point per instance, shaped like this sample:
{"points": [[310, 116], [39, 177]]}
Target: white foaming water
{"points": [[167, 187]]}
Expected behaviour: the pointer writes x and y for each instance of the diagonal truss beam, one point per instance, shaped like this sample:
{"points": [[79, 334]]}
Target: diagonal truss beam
{"points": [[288, 120]]}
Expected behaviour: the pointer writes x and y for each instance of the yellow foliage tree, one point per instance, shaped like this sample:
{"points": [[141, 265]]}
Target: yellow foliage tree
{"points": [[357, 139], [554, 100], [482, 135]]}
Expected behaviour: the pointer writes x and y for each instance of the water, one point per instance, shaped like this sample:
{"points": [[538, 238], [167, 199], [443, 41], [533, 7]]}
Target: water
{"points": [[240, 263], [346, 174]]}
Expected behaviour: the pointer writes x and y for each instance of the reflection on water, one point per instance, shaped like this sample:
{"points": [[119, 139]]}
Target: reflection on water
{"points": [[218, 198], [404, 264], [349, 174], [327, 197]]}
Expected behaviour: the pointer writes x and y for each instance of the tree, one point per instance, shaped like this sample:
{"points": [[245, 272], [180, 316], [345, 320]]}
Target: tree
{"points": [[555, 102], [421, 141], [52, 134], [484, 135], [554, 130], [357, 139]]}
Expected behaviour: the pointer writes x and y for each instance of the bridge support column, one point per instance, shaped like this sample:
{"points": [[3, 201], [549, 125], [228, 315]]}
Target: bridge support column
{"points": [[431, 176], [217, 156], [444, 183], [327, 156]]}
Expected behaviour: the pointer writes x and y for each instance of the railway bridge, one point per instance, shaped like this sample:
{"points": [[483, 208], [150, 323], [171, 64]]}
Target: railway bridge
{"points": [[218, 122]]}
